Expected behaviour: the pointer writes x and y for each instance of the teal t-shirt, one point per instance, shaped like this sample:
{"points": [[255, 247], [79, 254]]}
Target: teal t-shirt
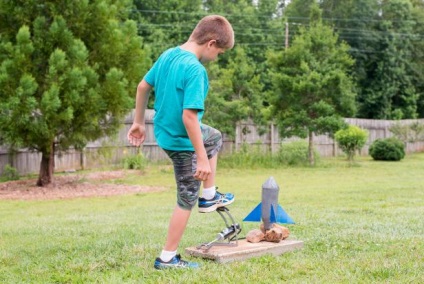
{"points": [[180, 82]]}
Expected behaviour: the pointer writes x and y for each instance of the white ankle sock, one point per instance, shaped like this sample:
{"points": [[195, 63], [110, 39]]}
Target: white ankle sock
{"points": [[209, 193], [167, 255]]}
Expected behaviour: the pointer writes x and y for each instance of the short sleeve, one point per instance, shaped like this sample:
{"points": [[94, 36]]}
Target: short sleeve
{"points": [[195, 90], [151, 75]]}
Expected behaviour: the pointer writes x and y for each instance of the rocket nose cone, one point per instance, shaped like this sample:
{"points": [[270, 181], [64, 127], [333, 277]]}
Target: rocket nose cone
{"points": [[270, 183]]}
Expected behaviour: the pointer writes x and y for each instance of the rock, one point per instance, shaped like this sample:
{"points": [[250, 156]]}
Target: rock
{"points": [[275, 234], [255, 236], [285, 231]]}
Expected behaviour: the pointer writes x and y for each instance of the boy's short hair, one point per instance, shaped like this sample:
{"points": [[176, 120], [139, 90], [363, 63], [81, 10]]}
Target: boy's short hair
{"points": [[214, 27]]}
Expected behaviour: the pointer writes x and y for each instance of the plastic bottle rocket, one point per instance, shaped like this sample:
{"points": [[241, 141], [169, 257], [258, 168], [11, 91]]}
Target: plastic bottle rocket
{"points": [[268, 210]]}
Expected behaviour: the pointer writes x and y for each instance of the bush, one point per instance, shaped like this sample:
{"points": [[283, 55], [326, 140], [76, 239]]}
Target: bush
{"points": [[351, 139], [10, 173], [249, 156], [388, 149], [408, 132], [135, 162], [295, 154]]}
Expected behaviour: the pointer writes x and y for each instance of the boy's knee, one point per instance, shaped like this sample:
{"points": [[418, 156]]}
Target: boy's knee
{"points": [[188, 193], [187, 200], [212, 139], [214, 135]]}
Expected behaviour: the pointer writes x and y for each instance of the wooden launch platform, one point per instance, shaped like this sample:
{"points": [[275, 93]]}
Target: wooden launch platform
{"points": [[244, 250]]}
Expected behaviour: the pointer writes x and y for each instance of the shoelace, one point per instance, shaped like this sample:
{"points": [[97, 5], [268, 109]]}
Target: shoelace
{"points": [[180, 261]]}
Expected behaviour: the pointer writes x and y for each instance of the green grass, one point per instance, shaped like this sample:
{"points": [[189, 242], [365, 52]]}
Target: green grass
{"points": [[359, 224]]}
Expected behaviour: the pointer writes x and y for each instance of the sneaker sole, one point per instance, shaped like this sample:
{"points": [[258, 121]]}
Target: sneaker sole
{"points": [[214, 207], [164, 267]]}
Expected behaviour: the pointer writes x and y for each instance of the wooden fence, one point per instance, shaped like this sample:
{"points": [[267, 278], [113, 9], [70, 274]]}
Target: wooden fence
{"points": [[247, 133], [112, 150]]}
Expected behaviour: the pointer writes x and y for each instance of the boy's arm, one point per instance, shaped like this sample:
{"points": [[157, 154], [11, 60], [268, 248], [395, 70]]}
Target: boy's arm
{"points": [[136, 134], [192, 126]]}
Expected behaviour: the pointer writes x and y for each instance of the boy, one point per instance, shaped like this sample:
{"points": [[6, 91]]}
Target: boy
{"points": [[181, 84]]}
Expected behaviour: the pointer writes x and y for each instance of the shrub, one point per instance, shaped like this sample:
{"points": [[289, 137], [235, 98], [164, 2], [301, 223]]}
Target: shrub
{"points": [[248, 156], [10, 173], [408, 132], [351, 139], [135, 162], [295, 154], [388, 149]]}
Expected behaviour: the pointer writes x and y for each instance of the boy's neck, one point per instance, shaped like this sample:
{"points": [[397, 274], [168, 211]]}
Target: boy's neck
{"points": [[192, 47]]}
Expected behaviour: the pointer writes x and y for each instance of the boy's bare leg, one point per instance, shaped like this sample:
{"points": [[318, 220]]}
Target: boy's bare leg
{"points": [[211, 179], [180, 217], [176, 228]]}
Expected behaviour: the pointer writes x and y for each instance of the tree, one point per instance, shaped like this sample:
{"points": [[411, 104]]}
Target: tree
{"points": [[166, 23], [388, 90], [235, 93], [311, 83], [298, 11], [67, 70], [418, 53], [411, 132], [386, 43]]}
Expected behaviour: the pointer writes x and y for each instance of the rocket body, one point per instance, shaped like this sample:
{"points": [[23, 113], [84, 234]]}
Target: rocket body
{"points": [[270, 190], [268, 210]]}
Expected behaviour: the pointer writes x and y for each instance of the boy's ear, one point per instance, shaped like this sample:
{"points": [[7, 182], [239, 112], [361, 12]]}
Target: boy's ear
{"points": [[211, 42]]}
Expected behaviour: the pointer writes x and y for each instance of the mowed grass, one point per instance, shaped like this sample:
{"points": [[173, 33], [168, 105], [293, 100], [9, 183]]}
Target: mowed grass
{"points": [[360, 224]]}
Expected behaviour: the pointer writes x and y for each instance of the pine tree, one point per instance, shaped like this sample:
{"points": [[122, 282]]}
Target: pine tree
{"points": [[311, 83], [236, 93], [386, 43], [68, 71], [388, 90]]}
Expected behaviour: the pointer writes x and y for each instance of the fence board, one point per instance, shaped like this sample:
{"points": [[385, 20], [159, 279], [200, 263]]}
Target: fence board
{"points": [[325, 145]]}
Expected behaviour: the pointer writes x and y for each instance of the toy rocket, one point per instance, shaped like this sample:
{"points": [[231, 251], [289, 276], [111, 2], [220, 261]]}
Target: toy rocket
{"points": [[269, 210]]}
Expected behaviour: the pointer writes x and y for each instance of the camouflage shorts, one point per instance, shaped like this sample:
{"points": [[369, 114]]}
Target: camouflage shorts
{"points": [[185, 163]]}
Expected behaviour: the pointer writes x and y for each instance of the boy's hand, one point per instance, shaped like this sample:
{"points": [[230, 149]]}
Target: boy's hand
{"points": [[203, 169], [136, 134]]}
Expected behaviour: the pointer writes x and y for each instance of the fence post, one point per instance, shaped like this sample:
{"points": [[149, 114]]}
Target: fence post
{"points": [[272, 139], [334, 148], [82, 159], [237, 139]]}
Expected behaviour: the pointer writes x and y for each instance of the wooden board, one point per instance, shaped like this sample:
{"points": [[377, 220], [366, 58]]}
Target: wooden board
{"points": [[244, 250]]}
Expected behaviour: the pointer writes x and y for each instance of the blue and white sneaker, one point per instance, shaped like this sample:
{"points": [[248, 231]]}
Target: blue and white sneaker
{"points": [[175, 262], [219, 200]]}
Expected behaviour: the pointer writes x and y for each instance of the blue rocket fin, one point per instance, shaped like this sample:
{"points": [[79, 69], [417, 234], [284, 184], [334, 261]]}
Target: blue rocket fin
{"points": [[282, 216], [255, 215]]}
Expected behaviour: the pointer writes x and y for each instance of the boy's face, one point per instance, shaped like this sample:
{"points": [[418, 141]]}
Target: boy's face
{"points": [[211, 52]]}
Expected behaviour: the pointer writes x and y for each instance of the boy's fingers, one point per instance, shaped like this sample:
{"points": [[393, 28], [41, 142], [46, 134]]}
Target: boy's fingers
{"points": [[199, 175], [136, 141]]}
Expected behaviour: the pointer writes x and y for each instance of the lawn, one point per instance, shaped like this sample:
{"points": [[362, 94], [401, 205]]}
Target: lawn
{"points": [[360, 224]]}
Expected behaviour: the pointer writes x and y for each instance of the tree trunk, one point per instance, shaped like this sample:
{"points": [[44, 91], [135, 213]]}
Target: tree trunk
{"points": [[311, 149], [46, 166]]}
